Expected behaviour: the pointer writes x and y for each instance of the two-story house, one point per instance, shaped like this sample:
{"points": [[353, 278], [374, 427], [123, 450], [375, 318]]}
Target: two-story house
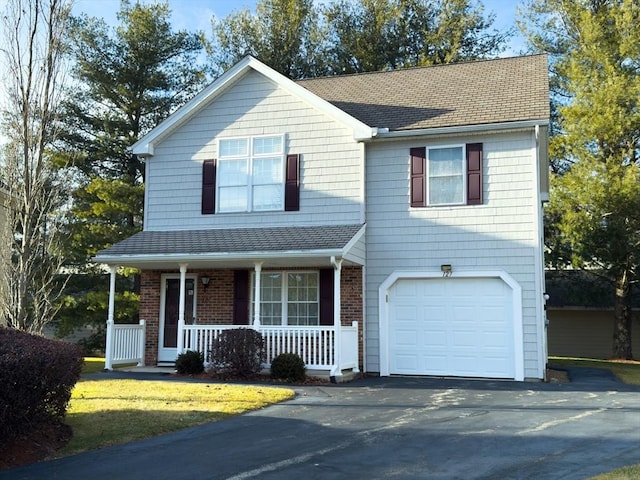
{"points": [[388, 221]]}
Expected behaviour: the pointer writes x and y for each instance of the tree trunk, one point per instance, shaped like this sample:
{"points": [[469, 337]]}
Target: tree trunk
{"points": [[622, 312]]}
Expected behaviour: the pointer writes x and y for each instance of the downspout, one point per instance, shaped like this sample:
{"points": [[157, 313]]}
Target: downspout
{"points": [[108, 365], [183, 290], [336, 371]]}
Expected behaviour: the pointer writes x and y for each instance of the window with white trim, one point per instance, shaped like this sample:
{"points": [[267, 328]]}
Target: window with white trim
{"points": [[288, 298], [446, 175], [250, 175]]}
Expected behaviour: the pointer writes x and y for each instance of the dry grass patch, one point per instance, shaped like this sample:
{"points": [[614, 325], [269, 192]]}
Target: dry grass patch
{"points": [[625, 473], [107, 412]]}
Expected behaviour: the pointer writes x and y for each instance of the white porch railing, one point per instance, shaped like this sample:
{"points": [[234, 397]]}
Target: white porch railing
{"points": [[315, 345], [127, 344]]}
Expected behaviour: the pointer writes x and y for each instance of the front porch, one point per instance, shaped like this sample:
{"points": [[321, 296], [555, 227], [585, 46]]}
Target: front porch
{"points": [[320, 347]]}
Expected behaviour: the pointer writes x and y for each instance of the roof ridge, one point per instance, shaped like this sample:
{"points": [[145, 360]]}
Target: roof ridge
{"points": [[421, 67]]}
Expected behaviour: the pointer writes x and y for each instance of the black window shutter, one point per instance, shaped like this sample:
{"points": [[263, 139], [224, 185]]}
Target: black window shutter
{"points": [[474, 174], [292, 184], [418, 176], [326, 296], [241, 297], [208, 187]]}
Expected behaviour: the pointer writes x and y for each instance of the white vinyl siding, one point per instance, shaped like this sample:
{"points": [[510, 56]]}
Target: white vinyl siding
{"points": [[331, 163], [501, 234]]}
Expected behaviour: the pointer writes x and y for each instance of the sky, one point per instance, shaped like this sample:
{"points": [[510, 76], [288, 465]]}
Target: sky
{"points": [[195, 15]]}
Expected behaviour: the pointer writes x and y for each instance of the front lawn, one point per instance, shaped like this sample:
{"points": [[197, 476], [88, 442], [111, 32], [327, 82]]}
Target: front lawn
{"points": [[107, 412]]}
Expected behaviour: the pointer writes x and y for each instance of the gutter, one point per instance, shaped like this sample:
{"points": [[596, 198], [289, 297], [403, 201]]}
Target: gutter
{"points": [[384, 133]]}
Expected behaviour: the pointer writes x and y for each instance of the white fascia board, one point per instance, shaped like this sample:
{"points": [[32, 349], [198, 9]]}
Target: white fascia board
{"points": [[461, 129], [144, 146], [177, 257]]}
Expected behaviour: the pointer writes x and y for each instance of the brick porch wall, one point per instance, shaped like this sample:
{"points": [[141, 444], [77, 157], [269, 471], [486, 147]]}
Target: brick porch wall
{"points": [[215, 303]]}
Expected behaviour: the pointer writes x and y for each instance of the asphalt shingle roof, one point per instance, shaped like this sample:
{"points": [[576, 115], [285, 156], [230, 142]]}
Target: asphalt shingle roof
{"points": [[235, 240], [471, 93]]}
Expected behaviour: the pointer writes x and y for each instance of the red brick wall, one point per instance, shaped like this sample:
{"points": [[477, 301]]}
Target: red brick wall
{"points": [[215, 303]]}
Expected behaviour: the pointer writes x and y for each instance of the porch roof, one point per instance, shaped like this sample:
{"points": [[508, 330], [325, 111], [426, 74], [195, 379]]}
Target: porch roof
{"points": [[238, 247]]}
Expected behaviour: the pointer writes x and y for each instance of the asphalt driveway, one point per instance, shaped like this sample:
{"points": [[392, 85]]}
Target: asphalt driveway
{"points": [[401, 428]]}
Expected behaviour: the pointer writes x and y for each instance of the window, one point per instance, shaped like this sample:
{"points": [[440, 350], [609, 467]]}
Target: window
{"points": [[289, 298], [445, 184], [250, 174], [450, 175]]}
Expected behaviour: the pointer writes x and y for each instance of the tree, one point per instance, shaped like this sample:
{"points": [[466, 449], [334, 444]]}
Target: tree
{"points": [[30, 254], [126, 81], [284, 34], [595, 202], [373, 35], [345, 36]]}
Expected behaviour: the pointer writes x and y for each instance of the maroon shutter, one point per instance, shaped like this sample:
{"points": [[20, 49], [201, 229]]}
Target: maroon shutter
{"points": [[418, 176], [292, 184], [241, 297], [208, 187], [474, 173], [326, 296]]}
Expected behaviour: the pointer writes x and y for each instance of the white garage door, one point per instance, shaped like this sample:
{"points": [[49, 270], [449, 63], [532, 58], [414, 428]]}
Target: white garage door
{"points": [[451, 327]]}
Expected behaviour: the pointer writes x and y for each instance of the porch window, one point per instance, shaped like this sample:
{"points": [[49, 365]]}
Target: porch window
{"points": [[251, 174], [289, 298]]}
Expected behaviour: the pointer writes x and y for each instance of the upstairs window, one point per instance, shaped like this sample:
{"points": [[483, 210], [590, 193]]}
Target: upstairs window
{"points": [[250, 174], [450, 175]]}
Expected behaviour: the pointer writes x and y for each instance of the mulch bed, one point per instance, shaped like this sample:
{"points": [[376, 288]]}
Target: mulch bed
{"points": [[35, 446]]}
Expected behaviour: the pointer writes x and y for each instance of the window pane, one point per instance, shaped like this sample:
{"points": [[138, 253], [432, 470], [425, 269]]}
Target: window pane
{"points": [[446, 170], [267, 170], [302, 291], [232, 199], [234, 147], [267, 145], [271, 298], [232, 172], [267, 197]]}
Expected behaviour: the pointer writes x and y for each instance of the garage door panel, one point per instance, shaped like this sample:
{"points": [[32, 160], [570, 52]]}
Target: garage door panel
{"points": [[451, 327]]}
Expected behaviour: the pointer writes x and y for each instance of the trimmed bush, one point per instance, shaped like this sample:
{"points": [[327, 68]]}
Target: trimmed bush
{"points": [[288, 367], [36, 378], [190, 363], [238, 352]]}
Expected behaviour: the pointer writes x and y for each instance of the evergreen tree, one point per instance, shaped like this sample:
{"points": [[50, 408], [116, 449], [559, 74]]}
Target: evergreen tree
{"points": [[595, 201]]}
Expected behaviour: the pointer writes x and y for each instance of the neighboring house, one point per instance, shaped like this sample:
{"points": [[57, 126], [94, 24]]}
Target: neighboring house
{"points": [[581, 317], [389, 221]]}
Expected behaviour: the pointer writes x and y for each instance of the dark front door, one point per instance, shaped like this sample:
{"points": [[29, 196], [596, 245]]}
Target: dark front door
{"points": [[172, 310]]}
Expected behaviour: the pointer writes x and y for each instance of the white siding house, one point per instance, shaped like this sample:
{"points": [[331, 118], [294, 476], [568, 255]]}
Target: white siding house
{"points": [[390, 222]]}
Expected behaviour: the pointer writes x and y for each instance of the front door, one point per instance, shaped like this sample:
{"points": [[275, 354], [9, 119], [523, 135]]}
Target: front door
{"points": [[169, 312]]}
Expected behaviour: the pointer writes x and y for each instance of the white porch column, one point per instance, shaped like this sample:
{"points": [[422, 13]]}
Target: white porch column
{"points": [[183, 290], [108, 354], [257, 296], [336, 371]]}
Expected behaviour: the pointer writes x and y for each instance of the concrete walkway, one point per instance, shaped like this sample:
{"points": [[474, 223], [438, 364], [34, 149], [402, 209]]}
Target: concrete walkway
{"points": [[406, 428]]}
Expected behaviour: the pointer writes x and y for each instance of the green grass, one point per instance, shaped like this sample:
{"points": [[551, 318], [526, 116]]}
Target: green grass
{"points": [[624, 473], [108, 412], [627, 371]]}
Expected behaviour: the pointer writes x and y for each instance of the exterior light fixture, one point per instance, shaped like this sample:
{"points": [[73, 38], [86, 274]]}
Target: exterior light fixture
{"points": [[205, 281], [446, 270]]}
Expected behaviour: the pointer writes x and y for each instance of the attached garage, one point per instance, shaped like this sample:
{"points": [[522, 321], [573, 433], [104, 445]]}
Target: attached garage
{"points": [[463, 326]]}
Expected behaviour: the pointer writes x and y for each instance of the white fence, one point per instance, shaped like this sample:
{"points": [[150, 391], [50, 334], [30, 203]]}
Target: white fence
{"points": [[315, 345], [127, 344]]}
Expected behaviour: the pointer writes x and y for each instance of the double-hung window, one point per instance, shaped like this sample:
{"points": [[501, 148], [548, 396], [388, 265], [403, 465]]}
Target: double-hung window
{"points": [[446, 175], [289, 298], [250, 174]]}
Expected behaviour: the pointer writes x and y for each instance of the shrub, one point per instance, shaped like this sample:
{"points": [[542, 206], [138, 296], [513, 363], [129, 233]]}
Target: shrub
{"points": [[288, 367], [238, 352], [37, 375], [190, 363]]}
